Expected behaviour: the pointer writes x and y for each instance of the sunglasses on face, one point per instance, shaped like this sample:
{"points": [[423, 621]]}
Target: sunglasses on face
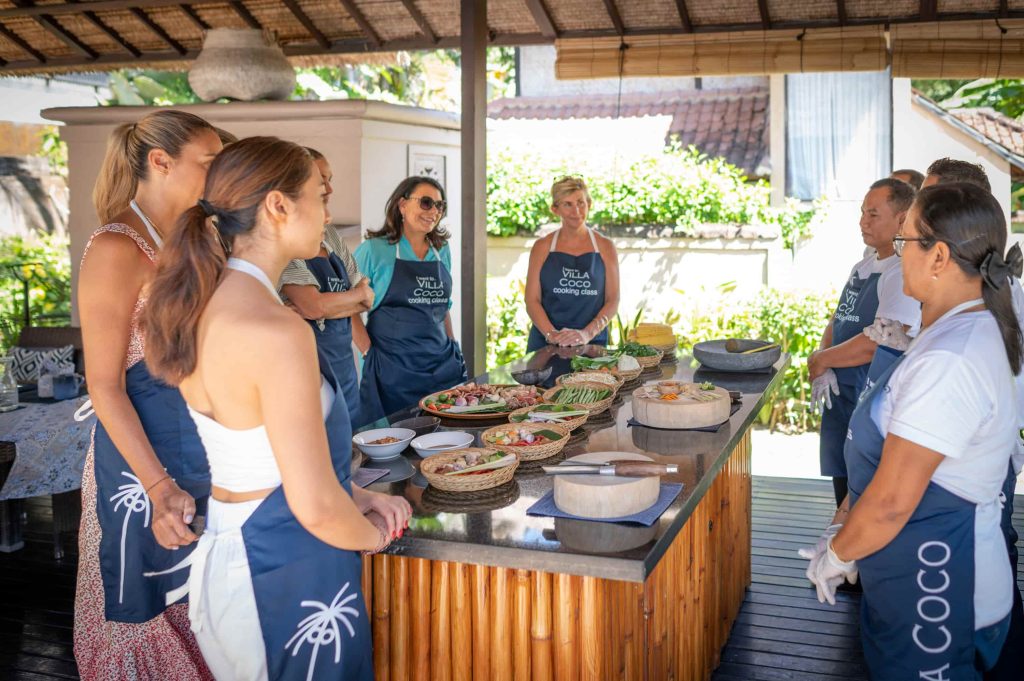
{"points": [[898, 242], [427, 203]]}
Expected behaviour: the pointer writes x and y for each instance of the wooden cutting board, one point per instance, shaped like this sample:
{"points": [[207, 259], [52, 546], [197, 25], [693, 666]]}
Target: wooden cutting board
{"points": [[605, 496], [684, 412]]}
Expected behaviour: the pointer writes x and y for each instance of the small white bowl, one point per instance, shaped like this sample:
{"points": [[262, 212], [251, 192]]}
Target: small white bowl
{"points": [[383, 452], [445, 441]]}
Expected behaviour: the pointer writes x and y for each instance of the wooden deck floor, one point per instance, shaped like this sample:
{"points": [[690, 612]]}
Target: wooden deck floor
{"points": [[782, 631]]}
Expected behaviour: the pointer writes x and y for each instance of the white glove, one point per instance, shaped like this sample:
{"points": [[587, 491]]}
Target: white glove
{"points": [[812, 552], [888, 332], [821, 387], [828, 572]]}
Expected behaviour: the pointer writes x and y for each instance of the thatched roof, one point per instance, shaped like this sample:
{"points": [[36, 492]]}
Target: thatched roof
{"points": [[46, 36]]}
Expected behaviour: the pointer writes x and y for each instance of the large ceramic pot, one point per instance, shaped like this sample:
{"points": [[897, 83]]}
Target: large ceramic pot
{"points": [[242, 64]]}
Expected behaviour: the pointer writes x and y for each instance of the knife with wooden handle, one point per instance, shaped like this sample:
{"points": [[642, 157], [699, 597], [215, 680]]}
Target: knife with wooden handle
{"points": [[632, 469]]}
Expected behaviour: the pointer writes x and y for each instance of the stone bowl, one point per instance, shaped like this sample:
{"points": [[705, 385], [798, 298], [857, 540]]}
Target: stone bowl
{"points": [[713, 355]]}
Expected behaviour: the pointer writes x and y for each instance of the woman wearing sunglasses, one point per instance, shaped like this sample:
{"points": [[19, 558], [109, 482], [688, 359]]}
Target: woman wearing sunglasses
{"points": [[927, 453], [572, 285], [408, 262]]}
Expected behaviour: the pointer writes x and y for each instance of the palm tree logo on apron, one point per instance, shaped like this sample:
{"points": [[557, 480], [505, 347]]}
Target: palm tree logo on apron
{"points": [[133, 497], [321, 628]]}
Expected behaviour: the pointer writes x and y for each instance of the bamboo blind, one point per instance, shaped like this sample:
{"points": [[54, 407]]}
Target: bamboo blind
{"points": [[742, 53], [965, 49]]}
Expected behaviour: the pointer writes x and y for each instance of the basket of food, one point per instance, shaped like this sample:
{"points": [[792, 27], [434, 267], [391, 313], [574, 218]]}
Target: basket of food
{"points": [[627, 368], [569, 416], [528, 441], [645, 355], [594, 397], [610, 379], [479, 401], [469, 470]]}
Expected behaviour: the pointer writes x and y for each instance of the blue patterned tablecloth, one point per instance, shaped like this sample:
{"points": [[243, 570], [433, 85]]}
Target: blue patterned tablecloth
{"points": [[50, 448]]}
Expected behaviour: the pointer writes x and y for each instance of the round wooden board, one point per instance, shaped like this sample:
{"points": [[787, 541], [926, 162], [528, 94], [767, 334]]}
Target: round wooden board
{"points": [[681, 414], [605, 496]]}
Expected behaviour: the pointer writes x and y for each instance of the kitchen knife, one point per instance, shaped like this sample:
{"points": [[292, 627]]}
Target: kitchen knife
{"points": [[633, 469]]}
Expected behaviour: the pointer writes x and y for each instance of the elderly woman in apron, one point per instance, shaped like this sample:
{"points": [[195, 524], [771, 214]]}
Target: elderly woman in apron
{"points": [[330, 293], [146, 477], [927, 454], [838, 370], [412, 349], [275, 582], [572, 285]]}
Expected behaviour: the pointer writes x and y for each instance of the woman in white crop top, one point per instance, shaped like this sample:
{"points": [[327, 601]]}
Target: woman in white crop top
{"points": [[278, 565]]}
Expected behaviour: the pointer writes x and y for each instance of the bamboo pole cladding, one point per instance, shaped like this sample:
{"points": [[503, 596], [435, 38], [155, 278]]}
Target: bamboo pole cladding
{"points": [[742, 53], [968, 49], [446, 621]]}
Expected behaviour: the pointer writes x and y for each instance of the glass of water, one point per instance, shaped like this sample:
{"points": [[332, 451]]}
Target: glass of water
{"points": [[8, 386]]}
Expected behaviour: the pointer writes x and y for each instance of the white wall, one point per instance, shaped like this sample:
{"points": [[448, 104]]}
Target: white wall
{"points": [[24, 98]]}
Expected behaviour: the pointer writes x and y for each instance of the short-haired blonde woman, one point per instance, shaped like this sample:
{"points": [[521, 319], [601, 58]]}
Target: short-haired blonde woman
{"points": [[572, 286]]}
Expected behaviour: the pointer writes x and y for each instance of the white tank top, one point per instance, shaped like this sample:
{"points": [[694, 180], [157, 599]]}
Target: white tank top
{"points": [[242, 460]]}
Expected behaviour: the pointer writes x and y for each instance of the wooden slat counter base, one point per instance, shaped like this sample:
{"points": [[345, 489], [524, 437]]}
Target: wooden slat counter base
{"points": [[438, 620]]}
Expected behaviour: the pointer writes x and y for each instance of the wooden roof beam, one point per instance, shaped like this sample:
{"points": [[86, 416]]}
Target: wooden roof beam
{"points": [[841, 12], [95, 20], [929, 10], [307, 23], [194, 17], [542, 17], [25, 47], [158, 30], [1004, 9], [766, 19], [242, 11], [365, 26], [421, 21], [613, 14], [684, 16], [64, 35]]}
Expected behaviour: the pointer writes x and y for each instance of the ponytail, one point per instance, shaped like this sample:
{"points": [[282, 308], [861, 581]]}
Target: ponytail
{"points": [[117, 182], [995, 290], [126, 162], [191, 265]]}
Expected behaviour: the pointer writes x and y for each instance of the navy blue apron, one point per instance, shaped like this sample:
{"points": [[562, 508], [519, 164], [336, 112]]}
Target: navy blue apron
{"points": [[917, 611], [880, 363], [410, 353], [855, 312], [334, 336], [571, 292], [309, 594], [128, 547]]}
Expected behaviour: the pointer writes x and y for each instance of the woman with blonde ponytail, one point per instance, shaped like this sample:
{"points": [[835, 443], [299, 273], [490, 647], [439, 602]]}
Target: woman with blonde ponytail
{"points": [[278, 564], [146, 471]]}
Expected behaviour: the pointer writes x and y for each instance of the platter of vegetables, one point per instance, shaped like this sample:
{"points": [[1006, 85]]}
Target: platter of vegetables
{"points": [[483, 401], [529, 441], [469, 470], [594, 397], [606, 378]]}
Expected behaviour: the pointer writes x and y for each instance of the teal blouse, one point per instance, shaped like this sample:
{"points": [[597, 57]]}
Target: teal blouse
{"points": [[376, 260]]}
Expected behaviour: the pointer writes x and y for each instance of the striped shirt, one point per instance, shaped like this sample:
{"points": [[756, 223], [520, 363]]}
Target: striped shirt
{"points": [[297, 273]]}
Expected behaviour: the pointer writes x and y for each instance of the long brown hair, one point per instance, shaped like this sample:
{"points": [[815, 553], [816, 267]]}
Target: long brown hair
{"points": [[970, 221], [126, 162], [392, 228], [192, 262]]}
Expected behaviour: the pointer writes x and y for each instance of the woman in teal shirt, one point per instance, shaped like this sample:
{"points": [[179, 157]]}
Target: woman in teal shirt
{"points": [[408, 262]]}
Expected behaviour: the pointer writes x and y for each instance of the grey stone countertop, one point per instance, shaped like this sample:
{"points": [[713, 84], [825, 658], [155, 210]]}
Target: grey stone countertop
{"points": [[492, 528]]}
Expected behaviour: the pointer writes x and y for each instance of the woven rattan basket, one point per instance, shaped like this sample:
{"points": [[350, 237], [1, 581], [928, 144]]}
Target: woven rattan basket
{"points": [[530, 452], [569, 424], [648, 362], [593, 407], [465, 483], [628, 375], [590, 377]]}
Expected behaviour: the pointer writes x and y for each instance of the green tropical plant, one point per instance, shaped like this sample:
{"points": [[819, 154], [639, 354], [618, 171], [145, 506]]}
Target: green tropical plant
{"points": [[508, 325], [1005, 95], [44, 263]]}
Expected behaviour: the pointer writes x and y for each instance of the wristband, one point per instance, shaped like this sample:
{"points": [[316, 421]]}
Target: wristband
{"points": [[166, 477]]}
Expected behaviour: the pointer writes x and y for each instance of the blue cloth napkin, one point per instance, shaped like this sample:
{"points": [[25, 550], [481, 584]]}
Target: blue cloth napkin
{"points": [[669, 491]]}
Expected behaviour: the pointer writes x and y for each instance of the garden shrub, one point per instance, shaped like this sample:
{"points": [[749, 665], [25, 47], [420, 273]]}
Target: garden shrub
{"points": [[45, 263]]}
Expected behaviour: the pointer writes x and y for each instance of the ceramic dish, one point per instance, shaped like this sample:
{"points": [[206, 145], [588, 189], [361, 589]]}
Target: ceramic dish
{"points": [[384, 451], [446, 440]]}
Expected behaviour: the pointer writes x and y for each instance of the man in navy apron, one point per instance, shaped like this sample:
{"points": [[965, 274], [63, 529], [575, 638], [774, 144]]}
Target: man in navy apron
{"points": [[874, 289], [410, 353]]}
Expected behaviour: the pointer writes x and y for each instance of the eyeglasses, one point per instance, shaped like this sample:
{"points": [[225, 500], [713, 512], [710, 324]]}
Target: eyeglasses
{"points": [[899, 241], [427, 203]]}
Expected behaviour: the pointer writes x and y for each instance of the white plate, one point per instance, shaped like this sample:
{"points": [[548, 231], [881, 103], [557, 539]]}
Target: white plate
{"points": [[438, 443], [384, 452]]}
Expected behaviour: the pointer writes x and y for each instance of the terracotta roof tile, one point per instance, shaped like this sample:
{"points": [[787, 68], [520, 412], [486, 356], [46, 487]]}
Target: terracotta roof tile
{"points": [[731, 122], [1001, 129]]}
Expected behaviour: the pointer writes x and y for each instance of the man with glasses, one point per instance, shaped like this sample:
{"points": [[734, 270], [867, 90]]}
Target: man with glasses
{"points": [[838, 370]]}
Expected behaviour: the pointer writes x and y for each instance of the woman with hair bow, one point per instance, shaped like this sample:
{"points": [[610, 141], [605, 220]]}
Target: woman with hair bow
{"points": [[927, 455]]}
